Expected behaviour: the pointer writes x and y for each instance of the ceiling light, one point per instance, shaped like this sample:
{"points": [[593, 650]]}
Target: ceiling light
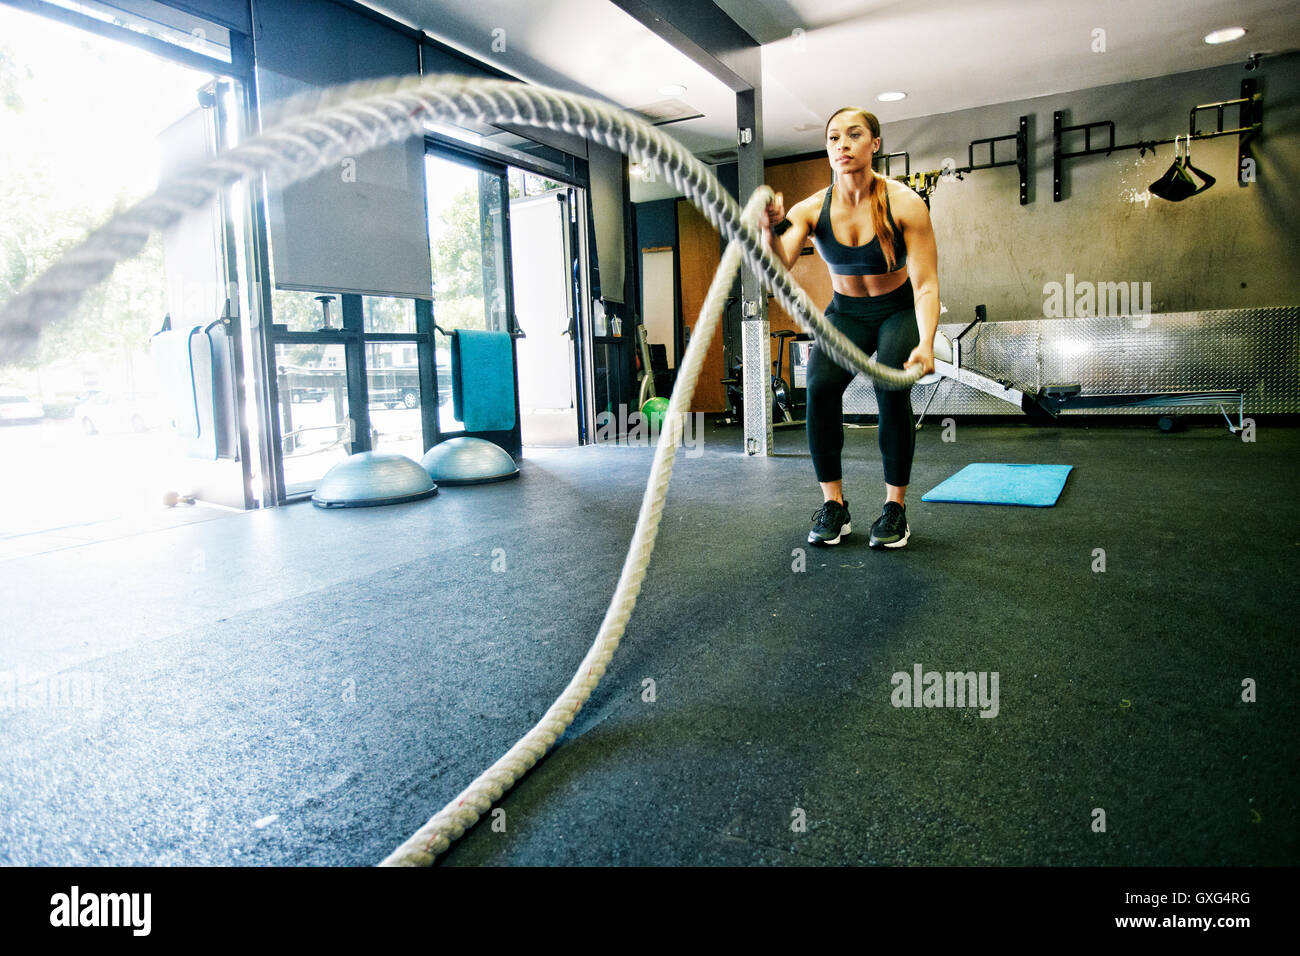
{"points": [[891, 97], [1226, 35], [672, 89]]}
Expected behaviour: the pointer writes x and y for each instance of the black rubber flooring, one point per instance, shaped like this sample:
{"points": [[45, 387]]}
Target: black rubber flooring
{"points": [[305, 687]]}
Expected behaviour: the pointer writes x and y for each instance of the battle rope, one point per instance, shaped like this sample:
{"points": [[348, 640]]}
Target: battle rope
{"points": [[459, 815], [327, 127]]}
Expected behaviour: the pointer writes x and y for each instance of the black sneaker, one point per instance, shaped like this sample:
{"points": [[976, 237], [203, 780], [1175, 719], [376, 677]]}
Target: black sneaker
{"points": [[890, 529], [830, 524]]}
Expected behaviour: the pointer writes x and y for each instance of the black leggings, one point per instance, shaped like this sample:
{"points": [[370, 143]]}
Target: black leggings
{"points": [[883, 324]]}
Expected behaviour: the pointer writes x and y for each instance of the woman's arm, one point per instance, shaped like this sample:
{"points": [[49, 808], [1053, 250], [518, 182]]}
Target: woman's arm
{"points": [[911, 213], [789, 244]]}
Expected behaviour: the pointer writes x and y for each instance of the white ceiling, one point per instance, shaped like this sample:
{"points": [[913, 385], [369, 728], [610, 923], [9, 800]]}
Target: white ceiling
{"points": [[950, 55], [818, 55], [585, 46]]}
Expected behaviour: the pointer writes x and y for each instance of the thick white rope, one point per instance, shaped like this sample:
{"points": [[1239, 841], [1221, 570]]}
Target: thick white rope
{"points": [[459, 815], [329, 127]]}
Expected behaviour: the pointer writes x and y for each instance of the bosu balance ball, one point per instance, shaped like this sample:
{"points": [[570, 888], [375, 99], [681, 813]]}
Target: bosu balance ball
{"points": [[468, 461], [371, 478]]}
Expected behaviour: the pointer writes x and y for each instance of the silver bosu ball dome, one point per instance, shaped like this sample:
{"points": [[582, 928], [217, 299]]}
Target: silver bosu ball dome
{"points": [[468, 461], [371, 478], [942, 353]]}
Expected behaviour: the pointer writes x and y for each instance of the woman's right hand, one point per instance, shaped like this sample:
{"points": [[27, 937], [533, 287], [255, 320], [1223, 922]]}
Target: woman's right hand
{"points": [[774, 213], [775, 210]]}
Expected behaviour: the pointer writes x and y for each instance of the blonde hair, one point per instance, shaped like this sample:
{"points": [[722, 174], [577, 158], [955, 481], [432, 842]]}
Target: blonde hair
{"points": [[879, 188]]}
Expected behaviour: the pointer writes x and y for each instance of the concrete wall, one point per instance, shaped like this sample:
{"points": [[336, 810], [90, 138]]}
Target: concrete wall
{"points": [[1231, 247]]}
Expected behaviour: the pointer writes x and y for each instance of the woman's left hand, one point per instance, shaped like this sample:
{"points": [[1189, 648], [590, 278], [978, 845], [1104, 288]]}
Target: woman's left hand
{"points": [[924, 356]]}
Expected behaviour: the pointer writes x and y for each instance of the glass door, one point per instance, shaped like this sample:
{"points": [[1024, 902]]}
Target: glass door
{"points": [[314, 422], [352, 373], [542, 258], [469, 245]]}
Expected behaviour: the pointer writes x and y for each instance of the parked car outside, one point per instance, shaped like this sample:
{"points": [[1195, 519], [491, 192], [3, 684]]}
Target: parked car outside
{"points": [[63, 405], [16, 408], [393, 386], [105, 412]]}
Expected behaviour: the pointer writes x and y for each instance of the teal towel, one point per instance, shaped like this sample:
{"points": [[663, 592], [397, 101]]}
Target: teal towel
{"points": [[483, 380], [986, 483], [173, 359]]}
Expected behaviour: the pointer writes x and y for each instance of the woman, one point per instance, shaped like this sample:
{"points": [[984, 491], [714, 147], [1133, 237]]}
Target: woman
{"points": [[886, 301]]}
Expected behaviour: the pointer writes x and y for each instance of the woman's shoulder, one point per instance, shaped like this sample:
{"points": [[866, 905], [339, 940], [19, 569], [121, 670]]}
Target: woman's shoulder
{"points": [[894, 188], [902, 198], [809, 207], [813, 202], [816, 198]]}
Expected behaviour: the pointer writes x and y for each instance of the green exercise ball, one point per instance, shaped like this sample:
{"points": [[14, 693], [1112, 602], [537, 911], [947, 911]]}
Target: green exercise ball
{"points": [[654, 411]]}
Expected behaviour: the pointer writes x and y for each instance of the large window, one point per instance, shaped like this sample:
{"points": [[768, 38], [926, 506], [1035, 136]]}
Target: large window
{"points": [[87, 123], [351, 376], [467, 244], [315, 428]]}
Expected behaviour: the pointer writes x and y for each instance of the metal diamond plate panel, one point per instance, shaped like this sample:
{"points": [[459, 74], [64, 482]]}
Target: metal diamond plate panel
{"points": [[1255, 351], [756, 351]]}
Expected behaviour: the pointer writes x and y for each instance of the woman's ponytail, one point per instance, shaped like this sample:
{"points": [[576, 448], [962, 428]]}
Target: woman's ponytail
{"points": [[880, 218]]}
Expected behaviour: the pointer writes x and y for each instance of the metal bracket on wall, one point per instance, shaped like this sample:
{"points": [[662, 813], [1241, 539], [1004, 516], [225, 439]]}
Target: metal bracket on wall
{"points": [[924, 183], [1250, 118], [907, 162], [1021, 138]]}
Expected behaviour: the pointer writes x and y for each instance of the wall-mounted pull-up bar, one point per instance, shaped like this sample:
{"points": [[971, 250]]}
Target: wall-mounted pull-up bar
{"points": [[924, 183], [888, 157], [1021, 138], [1250, 116]]}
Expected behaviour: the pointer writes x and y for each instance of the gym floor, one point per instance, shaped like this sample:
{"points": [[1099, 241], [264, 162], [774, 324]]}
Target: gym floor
{"points": [[296, 686]]}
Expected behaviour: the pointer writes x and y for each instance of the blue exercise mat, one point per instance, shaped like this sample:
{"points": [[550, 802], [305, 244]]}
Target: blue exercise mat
{"points": [[985, 483]]}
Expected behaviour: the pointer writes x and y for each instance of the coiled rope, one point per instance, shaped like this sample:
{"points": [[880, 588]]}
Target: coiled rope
{"points": [[321, 130]]}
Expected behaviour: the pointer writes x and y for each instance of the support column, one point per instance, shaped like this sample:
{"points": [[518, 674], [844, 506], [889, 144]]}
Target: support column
{"points": [[756, 349], [712, 39]]}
